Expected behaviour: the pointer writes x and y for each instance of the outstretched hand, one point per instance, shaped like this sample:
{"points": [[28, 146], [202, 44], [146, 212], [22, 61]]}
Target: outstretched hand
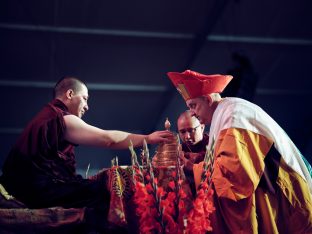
{"points": [[186, 161], [159, 137], [189, 158]]}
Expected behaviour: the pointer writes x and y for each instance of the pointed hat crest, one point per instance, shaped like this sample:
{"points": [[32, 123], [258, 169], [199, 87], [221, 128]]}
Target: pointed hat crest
{"points": [[191, 84]]}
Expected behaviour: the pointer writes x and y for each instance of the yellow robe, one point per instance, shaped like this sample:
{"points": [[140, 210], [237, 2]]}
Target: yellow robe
{"points": [[257, 189]]}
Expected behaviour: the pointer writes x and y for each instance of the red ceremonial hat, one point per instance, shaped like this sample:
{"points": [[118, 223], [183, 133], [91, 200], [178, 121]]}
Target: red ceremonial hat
{"points": [[191, 84]]}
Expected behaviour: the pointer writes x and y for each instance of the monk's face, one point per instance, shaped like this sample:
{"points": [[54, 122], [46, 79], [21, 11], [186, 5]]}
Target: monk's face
{"points": [[190, 130], [79, 102]]}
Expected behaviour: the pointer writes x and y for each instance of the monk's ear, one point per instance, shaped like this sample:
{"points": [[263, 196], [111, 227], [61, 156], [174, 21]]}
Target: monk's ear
{"points": [[69, 93]]}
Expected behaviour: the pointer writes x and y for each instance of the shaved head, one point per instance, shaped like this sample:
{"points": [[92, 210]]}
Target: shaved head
{"points": [[187, 115], [189, 128], [67, 83]]}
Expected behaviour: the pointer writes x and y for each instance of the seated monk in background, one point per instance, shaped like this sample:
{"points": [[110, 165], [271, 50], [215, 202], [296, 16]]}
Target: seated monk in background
{"points": [[194, 141]]}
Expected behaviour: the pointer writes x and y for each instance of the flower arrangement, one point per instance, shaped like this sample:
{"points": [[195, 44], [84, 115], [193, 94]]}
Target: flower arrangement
{"points": [[198, 219], [165, 209]]}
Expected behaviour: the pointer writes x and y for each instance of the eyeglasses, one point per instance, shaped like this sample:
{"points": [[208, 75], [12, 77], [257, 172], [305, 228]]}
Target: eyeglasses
{"points": [[189, 130]]}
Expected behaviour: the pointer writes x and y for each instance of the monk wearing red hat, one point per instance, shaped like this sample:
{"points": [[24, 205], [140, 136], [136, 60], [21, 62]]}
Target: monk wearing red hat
{"points": [[261, 183]]}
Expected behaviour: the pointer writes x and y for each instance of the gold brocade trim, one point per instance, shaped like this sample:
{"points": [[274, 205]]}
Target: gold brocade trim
{"points": [[183, 91], [5, 194], [121, 183]]}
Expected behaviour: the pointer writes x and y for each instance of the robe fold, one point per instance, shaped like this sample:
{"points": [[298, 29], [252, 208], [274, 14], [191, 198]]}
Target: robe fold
{"points": [[260, 182]]}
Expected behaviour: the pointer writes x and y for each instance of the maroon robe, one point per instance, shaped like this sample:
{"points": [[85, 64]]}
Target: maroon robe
{"points": [[40, 168], [199, 148]]}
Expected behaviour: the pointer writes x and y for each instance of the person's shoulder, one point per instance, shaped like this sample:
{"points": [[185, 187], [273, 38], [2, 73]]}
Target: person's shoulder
{"points": [[49, 114], [236, 105], [232, 109], [235, 101], [58, 106]]}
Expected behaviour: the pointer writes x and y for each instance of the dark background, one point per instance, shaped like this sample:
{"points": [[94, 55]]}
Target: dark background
{"points": [[123, 50]]}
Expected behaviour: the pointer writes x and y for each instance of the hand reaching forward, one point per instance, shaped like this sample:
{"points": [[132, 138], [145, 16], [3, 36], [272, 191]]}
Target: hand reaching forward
{"points": [[159, 137]]}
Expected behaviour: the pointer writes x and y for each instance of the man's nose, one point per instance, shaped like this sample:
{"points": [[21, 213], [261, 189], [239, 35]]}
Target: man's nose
{"points": [[86, 107], [192, 113], [187, 135]]}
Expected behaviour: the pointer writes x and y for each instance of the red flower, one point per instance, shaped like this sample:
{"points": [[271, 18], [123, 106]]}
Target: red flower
{"points": [[182, 194], [171, 184], [155, 181], [171, 196], [149, 188], [198, 219], [160, 192], [171, 225], [148, 177], [162, 211], [181, 205]]}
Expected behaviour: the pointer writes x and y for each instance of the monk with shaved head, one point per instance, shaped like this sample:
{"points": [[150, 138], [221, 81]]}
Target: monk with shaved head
{"points": [[40, 170]]}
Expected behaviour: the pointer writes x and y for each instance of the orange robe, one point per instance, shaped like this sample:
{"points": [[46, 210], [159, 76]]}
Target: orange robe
{"points": [[260, 182]]}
